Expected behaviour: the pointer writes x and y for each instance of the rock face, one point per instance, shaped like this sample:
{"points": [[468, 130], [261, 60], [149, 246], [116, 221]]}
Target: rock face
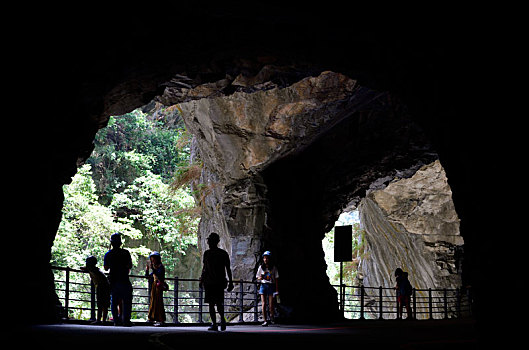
{"points": [[238, 136], [412, 224], [242, 133]]}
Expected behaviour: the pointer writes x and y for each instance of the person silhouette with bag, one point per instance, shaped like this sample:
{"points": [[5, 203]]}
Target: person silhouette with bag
{"points": [[157, 287]]}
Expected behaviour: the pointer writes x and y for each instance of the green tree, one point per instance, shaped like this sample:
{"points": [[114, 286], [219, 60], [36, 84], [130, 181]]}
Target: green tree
{"points": [[131, 145], [87, 225], [164, 217], [350, 268], [126, 186]]}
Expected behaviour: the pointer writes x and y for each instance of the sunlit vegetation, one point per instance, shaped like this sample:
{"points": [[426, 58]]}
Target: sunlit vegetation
{"points": [[127, 186]]}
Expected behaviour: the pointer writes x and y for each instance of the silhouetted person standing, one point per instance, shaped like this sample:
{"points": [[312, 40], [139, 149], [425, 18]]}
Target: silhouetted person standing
{"points": [[119, 262], [404, 290], [157, 286], [213, 279]]}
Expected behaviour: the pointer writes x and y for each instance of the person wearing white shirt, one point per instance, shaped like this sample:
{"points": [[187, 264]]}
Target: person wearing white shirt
{"points": [[268, 275]]}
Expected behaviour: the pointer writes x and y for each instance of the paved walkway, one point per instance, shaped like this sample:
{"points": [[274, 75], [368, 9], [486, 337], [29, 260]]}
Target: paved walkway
{"points": [[437, 334]]}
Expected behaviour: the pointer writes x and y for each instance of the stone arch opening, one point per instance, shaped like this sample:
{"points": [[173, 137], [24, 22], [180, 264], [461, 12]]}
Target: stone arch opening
{"points": [[348, 217], [308, 189], [411, 223]]}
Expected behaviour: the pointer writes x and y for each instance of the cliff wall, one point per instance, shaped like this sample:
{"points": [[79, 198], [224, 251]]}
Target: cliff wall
{"points": [[412, 224]]}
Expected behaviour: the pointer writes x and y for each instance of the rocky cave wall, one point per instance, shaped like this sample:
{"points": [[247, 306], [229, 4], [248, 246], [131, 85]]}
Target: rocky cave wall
{"points": [[281, 162], [412, 224], [238, 136]]}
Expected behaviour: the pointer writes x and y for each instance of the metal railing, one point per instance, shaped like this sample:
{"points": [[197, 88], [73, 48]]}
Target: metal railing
{"points": [[184, 302], [360, 302]]}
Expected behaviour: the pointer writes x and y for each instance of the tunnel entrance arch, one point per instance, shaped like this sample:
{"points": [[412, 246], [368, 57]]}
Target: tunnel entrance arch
{"points": [[299, 195], [440, 74]]}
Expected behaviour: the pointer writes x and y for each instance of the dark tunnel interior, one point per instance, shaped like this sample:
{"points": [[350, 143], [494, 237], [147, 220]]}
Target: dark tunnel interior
{"points": [[432, 80]]}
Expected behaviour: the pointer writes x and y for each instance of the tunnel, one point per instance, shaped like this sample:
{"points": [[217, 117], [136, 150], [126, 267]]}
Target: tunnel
{"points": [[89, 72], [308, 190]]}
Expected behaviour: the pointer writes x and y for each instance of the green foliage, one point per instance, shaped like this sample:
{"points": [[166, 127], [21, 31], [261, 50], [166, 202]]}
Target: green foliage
{"points": [[162, 215], [86, 225], [125, 186], [129, 147], [358, 244]]}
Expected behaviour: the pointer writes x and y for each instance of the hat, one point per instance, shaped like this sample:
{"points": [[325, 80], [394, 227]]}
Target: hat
{"points": [[267, 253], [154, 254]]}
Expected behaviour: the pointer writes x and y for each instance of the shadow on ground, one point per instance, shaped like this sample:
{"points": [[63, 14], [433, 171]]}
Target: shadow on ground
{"points": [[435, 334]]}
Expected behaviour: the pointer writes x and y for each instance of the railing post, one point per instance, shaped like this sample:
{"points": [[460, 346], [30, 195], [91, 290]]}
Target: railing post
{"points": [[430, 306], [67, 292], [175, 300], [445, 303], [256, 303], [362, 302], [380, 316], [399, 313], [470, 301], [341, 289], [342, 298], [200, 295], [241, 304], [458, 302], [92, 300], [414, 311]]}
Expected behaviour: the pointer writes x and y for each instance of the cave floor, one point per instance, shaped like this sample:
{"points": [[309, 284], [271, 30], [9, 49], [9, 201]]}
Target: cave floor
{"points": [[434, 334]]}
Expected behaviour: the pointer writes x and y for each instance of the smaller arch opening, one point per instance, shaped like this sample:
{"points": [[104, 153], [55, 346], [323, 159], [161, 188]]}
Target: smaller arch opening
{"points": [[408, 223]]}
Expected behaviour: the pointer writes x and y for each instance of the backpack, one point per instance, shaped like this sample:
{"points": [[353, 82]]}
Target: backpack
{"points": [[408, 289]]}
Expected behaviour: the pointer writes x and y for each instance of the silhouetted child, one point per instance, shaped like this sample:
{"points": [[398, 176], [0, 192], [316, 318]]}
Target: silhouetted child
{"points": [[102, 287], [158, 286], [268, 275], [404, 290], [213, 279]]}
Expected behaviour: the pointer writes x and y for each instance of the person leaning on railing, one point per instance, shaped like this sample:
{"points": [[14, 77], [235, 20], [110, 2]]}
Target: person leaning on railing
{"points": [[102, 287]]}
